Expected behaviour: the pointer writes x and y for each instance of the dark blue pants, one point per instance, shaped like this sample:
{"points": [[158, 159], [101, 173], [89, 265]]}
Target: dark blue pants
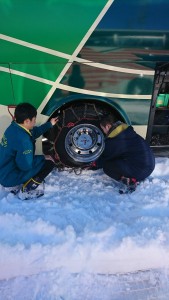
{"points": [[115, 169], [45, 170], [119, 167]]}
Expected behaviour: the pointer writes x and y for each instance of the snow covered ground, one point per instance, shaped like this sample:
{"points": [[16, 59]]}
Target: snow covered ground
{"points": [[83, 240]]}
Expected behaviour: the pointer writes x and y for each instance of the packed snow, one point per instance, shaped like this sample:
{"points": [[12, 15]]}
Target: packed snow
{"points": [[83, 240]]}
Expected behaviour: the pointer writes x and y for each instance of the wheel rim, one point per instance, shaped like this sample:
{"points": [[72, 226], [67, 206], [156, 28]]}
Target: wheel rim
{"points": [[84, 143]]}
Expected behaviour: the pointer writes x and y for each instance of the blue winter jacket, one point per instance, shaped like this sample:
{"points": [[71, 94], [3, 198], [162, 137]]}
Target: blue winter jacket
{"points": [[123, 144], [18, 163]]}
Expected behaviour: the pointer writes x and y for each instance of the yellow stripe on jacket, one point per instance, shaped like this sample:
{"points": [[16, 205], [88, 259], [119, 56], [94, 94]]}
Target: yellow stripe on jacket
{"points": [[118, 130]]}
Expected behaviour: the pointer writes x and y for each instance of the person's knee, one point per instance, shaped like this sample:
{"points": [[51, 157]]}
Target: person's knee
{"points": [[50, 163], [111, 173]]}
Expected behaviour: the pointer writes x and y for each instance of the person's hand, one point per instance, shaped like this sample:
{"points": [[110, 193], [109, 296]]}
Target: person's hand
{"points": [[54, 120]]}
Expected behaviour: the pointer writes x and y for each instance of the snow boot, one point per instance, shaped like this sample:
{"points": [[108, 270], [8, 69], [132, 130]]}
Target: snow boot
{"points": [[128, 185], [33, 188], [13, 189]]}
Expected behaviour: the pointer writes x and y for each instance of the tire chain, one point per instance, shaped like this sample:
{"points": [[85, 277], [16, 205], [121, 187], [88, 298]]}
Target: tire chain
{"points": [[61, 166]]}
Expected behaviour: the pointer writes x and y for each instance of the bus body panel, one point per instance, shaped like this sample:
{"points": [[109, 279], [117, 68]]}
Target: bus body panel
{"points": [[106, 49]]}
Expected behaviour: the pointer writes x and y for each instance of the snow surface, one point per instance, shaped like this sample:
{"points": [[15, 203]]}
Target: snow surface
{"points": [[83, 240]]}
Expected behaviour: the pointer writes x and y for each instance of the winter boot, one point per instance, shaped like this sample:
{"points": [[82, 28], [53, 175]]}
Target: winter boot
{"points": [[33, 188], [13, 189], [129, 185]]}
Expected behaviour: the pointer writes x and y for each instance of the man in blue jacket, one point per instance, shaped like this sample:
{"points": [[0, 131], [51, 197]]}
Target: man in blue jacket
{"points": [[18, 163], [127, 157]]}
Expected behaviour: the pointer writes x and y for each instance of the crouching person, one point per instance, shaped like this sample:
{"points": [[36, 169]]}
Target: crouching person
{"points": [[127, 157], [21, 170]]}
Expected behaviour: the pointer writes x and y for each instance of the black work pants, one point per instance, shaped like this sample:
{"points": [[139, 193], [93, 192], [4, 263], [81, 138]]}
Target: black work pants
{"points": [[120, 167], [115, 169], [45, 170]]}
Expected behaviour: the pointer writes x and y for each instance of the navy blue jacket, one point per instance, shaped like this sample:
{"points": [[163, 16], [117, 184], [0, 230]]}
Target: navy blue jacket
{"points": [[135, 156], [18, 163]]}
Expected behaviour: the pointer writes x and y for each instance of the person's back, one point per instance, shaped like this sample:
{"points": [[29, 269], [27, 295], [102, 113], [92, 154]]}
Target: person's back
{"points": [[9, 146], [132, 150]]}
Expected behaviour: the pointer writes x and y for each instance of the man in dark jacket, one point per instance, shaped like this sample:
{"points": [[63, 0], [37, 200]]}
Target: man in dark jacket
{"points": [[18, 163], [127, 157]]}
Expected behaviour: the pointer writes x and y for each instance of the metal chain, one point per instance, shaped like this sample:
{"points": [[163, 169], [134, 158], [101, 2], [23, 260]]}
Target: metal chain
{"points": [[74, 113], [61, 166]]}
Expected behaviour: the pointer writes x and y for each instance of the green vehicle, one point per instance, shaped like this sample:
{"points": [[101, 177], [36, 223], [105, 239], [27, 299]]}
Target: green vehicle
{"points": [[81, 59]]}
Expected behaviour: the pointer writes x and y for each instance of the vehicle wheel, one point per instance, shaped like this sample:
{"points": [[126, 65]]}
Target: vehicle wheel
{"points": [[77, 138]]}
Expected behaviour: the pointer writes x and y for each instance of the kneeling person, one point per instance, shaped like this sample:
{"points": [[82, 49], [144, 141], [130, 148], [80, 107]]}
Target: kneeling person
{"points": [[127, 157], [18, 163]]}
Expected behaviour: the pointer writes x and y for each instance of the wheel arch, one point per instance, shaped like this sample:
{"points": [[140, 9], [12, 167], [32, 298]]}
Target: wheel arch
{"points": [[87, 98], [77, 137]]}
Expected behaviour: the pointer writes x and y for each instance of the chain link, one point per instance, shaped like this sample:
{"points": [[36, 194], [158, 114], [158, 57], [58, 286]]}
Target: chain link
{"points": [[59, 165]]}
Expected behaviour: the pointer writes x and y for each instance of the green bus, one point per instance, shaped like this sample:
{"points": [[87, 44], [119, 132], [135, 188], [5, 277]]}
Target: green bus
{"points": [[81, 59]]}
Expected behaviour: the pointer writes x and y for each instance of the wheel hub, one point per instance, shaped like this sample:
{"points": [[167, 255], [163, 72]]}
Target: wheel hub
{"points": [[84, 143]]}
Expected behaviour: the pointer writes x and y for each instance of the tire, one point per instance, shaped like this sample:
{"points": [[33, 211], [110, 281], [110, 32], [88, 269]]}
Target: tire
{"points": [[77, 138]]}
